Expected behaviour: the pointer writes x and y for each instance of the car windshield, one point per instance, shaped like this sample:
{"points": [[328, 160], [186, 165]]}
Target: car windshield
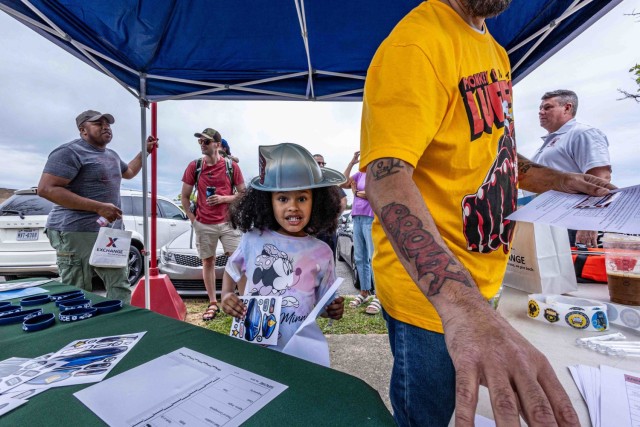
{"points": [[25, 204]]}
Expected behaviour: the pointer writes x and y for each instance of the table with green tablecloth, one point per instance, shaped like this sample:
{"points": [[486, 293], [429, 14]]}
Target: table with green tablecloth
{"points": [[315, 395]]}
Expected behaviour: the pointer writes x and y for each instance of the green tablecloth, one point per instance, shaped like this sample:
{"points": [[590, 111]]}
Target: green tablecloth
{"points": [[316, 395]]}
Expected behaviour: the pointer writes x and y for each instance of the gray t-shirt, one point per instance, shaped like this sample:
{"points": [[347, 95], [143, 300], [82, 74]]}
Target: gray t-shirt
{"points": [[94, 173]]}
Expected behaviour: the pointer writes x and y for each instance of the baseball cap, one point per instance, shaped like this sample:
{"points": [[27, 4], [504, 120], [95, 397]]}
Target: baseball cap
{"points": [[225, 145], [288, 167], [93, 116], [209, 133]]}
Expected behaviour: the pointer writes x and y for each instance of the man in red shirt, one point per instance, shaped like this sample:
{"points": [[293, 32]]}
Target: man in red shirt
{"points": [[224, 180]]}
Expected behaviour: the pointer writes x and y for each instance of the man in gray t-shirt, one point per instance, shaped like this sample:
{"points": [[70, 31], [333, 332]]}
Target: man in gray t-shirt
{"points": [[82, 178]]}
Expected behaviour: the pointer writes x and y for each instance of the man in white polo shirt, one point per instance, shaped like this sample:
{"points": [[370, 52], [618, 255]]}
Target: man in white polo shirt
{"points": [[571, 146]]}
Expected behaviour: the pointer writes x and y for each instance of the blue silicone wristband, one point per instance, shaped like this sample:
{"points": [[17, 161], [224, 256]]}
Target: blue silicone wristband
{"points": [[73, 304], [4, 303], [9, 309], [39, 322], [20, 316], [77, 314], [67, 294], [109, 306], [35, 300], [69, 298]]}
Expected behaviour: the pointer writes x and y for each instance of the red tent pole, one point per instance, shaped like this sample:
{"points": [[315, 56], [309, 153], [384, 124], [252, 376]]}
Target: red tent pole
{"points": [[153, 267]]}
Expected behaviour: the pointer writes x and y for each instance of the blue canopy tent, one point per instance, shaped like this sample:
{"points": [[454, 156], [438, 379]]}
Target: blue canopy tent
{"points": [[316, 50]]}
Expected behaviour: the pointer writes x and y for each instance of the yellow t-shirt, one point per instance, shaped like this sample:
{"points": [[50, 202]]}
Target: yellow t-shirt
{"points": [[438, 96]]}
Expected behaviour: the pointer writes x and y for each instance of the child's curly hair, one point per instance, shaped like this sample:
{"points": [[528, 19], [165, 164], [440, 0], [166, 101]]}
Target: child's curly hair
{"points": [[254, 210]]}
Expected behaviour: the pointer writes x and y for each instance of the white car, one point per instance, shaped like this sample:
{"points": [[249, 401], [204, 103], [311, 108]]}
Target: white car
{"points": [[25, 250], [179, 260]]}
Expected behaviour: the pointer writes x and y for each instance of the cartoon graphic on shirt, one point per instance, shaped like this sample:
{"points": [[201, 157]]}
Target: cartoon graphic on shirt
{"points": [[484, 213], [275, 272]]}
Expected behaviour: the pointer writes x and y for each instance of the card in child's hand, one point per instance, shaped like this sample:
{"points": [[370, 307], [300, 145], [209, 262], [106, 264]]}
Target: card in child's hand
{"points": [[262, 321]]}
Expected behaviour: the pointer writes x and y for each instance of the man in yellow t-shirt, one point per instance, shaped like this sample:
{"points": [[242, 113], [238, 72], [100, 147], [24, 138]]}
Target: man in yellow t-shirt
{"points": [[437, 122]]}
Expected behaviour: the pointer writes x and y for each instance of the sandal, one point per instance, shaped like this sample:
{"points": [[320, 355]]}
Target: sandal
{"points": [[374, 307], [211, 312], [359, 300]]}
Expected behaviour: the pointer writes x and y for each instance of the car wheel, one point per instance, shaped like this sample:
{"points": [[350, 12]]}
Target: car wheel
{"points": [[338, 254], [136, 266], [8, 277], [354, 272]]}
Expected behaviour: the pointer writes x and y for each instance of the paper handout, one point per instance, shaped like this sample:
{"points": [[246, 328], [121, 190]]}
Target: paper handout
{"points": [[617, 212], [183, 388], [309, 342]]}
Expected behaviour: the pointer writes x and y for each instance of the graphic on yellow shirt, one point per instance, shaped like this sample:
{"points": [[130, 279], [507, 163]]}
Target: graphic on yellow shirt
{"points": [[488, 102]]}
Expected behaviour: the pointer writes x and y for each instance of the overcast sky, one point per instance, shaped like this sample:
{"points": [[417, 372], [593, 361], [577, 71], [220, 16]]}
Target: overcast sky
{"points": [[43, 88]]}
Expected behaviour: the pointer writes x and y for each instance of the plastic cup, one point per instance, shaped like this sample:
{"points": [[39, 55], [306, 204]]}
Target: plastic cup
{"points": [[622, 260]]}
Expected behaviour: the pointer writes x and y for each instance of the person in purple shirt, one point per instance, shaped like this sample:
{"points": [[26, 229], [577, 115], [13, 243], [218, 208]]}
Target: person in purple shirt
{"points": [[362, 215]]}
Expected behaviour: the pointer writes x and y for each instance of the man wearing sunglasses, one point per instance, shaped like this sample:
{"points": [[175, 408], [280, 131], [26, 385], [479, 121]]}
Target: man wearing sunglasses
{"points": [[217, 182]]}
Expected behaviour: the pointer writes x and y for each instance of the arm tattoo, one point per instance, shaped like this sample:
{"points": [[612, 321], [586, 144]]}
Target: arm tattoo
{"points": [[525, 164], [382, 168], [414, 242]]}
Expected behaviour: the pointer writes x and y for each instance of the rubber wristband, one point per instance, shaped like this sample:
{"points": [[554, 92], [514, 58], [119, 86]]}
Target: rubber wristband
{"points": [[4, 303], [77, 314], [9, 309], [39, 322], [60, 295], [109, 306], [35, 300], [69, 299], [73, 304], [20, 316]]}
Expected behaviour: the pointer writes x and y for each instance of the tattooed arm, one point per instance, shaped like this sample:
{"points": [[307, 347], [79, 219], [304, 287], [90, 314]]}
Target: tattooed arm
{"points": [[484, 351], [538, 179]]}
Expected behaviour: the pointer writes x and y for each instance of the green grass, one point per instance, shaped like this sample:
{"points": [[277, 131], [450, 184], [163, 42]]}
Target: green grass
{"points": [[354, 320]]}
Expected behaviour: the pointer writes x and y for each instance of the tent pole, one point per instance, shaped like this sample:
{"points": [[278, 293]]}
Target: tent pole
{"points": [[153, 268], [145, 219]]}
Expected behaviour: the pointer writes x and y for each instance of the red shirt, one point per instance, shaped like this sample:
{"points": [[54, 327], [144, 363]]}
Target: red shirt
{"points": [[212, 176]]}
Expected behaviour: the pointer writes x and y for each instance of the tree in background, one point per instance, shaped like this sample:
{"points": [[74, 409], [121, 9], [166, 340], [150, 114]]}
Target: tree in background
{"points": [[635, 70]]}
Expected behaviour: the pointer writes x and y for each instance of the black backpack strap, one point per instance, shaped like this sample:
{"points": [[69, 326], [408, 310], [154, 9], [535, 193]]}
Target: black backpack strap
{"points": [[198, 172], [229, 169], [578, 265]]}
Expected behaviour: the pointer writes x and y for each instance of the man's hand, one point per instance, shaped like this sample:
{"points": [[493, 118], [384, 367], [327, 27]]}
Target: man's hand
{"points": [[109, 211], [583, 183], [490, 352], [152, 142], [587, 237], [335, 310], [217, 199]]}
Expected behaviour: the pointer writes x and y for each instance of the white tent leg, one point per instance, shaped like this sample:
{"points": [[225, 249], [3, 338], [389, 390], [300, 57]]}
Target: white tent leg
{"points": [[145, 190]]}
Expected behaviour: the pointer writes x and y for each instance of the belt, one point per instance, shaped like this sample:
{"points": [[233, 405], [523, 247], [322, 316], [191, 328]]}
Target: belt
{"points": [[39, 322], [109, 306], [19, 316], [35, 300], [73, 304], [8, 309], [61, 295], [77, 314]]}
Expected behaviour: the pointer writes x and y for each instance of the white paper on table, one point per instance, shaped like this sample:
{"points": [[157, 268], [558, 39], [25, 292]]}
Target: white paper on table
{"points": [[562, 210], [9, 404], [309, 342], [261, 325], [181, 388], [22, 285], [16, 371], [587, 379], [620, 394]]}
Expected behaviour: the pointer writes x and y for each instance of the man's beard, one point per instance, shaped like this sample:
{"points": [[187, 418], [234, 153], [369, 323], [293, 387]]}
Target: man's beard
{"points": [[485, 8]]}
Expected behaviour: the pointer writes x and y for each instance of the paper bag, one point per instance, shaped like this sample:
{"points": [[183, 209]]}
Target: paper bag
{"points": [[540, 260], [111, 249]]}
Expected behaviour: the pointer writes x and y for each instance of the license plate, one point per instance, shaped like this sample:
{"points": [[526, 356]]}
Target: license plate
{"points": [[27, 234]]}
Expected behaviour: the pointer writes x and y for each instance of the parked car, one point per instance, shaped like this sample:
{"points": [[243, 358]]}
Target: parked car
{"points": [[179, 260], [25, 250], [344, 248]]}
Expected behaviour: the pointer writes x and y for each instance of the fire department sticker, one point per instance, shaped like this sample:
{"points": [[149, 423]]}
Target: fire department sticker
{"points": [[534, 309], [551, 315], [577, 319]]}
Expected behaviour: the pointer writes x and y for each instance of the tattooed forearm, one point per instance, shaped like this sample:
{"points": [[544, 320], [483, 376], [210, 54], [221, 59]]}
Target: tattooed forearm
{"points": [[384, 167], [417, 245], [525, 164]]}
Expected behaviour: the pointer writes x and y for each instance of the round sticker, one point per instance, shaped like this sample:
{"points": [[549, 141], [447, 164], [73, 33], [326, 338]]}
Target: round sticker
{"points": [[551, 315], [534, 309], [577, 319], [599, 320], [630, 317]]}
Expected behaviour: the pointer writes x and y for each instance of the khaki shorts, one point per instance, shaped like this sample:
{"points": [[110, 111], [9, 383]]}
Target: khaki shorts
{"points": [[207, 236]]}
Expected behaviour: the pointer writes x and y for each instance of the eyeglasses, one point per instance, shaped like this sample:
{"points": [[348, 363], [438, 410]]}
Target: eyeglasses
{"points": [[204, 141], [321, 164]]}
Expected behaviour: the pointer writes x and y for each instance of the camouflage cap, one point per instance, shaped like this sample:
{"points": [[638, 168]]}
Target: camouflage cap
{"points": [[209, 133], [93, 116]]}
